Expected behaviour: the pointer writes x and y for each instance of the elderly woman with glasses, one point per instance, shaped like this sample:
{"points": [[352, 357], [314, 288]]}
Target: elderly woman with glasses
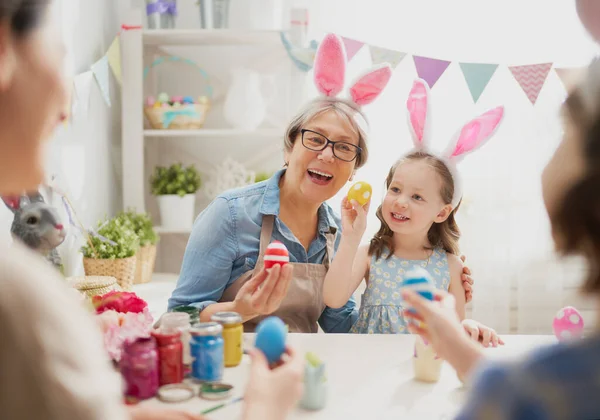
{"points": [[223, 267]]}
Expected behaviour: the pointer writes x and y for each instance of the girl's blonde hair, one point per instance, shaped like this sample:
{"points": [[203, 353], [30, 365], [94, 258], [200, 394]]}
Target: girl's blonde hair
{"points": [[344, 109], [443, 235]]}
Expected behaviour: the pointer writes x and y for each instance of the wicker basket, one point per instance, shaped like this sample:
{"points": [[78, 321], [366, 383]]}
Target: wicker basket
{"points": [[178, 116], [123, 269], [144, 267], [94, 285]]}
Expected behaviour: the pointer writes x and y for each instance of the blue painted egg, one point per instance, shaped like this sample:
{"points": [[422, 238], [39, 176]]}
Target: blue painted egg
{"points": [[270, 338], [419, 280], [188, 100]]}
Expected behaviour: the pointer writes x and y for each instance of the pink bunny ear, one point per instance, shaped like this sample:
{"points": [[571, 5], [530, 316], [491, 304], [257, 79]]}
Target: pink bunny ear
{"points": [[330, 65], [475, 133], [368, 87], [417, 105]]}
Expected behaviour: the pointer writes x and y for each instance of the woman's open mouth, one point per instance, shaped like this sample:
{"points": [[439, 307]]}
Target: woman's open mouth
{"points": [[319, 177]]}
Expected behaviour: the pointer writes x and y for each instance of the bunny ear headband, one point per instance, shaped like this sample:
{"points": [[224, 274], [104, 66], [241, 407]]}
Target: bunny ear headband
{"points": [[471, 136], [330, 72]]}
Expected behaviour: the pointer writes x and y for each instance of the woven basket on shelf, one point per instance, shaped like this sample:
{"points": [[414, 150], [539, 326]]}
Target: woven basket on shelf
{"points": [[94, 285], [144, 267], [123, 269], [179, 116]]}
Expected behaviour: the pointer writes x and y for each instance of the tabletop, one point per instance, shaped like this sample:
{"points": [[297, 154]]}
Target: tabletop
{"points": [[369, 377]]}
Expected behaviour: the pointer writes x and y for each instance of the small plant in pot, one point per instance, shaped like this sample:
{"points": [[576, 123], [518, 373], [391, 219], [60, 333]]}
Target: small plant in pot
{"points": [[111, 251], [141, 224], [175, 187]]}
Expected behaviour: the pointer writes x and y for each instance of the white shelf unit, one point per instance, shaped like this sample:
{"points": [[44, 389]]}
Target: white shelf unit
{"points": [[133, 48]]}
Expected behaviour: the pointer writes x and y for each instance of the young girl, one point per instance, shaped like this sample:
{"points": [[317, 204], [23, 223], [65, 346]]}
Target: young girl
{"points": [[561, 381], [417, 228]]}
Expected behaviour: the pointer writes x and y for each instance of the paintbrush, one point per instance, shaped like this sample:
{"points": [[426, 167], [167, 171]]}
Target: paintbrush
{"points": [[225, 404]]}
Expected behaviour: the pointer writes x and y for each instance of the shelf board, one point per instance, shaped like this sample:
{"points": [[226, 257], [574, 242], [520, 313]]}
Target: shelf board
{"points": [[217, 132], [210, 37], [163, 231]]}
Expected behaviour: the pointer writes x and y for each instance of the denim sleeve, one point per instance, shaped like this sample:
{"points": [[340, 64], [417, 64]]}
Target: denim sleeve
{"points": [[339, 320], [496, 393], [208, 258]]}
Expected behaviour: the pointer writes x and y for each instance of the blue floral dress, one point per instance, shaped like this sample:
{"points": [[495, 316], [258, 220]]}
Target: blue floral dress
{"points": [[381, 302]]}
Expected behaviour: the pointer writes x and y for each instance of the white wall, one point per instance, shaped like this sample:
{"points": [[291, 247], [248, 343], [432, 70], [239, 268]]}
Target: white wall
{"points": [[84, 155]]}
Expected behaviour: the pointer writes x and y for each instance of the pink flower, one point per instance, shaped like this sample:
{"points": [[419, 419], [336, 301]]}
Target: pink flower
{"points": [[122, 328], [119, 301]]}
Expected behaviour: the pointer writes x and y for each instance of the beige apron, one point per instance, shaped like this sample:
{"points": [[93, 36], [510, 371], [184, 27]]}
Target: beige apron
{"points": [[303, 304]]}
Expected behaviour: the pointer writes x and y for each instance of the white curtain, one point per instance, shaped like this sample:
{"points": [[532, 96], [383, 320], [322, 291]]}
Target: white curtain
{"points": [[519, 283]]}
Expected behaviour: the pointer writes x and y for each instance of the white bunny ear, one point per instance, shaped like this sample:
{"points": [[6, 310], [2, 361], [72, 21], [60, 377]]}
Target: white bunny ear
{"points": [[474, 134], [330, 65], [369, 86], [417, 106]]}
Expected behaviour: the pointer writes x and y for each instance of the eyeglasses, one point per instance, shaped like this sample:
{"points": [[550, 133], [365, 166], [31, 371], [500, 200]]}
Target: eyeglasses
{"points": [[341, 149]]}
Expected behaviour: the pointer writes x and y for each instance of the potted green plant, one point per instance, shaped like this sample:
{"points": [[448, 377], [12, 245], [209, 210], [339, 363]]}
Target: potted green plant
{"points": [[110, 251], [175, 187], [141, 224]]}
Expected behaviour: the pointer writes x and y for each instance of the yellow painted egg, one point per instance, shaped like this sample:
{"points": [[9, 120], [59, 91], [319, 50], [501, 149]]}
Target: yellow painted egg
{"points": [[361, 192]]}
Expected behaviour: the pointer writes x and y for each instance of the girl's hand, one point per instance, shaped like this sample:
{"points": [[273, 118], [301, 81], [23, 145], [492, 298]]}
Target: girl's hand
{"points": [[442, 329], [142, 412], [354, 219], [467, 281], [482, 333], [264, 292], [272, 393]]}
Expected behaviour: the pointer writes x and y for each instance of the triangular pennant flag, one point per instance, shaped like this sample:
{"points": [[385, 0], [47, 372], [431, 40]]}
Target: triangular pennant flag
{"points": [[570, 76], [100, 69], [352, 47], [477, 76], [114, 58], [531, 78], [82, 84], [383, 55], [430, 69]]}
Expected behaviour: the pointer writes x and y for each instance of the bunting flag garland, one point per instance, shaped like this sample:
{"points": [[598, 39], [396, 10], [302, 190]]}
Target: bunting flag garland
{"points": [[100, 70], [352, 47], [114, 58], [430, 69], [570, 76], [383, 55], [531, 78], [477, 76]]}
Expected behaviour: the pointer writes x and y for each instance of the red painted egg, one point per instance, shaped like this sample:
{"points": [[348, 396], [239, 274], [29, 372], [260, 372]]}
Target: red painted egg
{"points": [[276, 253]]}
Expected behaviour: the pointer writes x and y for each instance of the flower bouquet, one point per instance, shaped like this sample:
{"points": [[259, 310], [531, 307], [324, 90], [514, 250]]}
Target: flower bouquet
{"points": [[123, 317]]}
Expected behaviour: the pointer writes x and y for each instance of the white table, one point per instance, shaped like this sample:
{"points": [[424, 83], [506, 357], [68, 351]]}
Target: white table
{"points": [[370, 377]]}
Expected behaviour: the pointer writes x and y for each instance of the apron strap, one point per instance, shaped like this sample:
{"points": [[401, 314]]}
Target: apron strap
{"points": [[266, 232], [330, 248]]}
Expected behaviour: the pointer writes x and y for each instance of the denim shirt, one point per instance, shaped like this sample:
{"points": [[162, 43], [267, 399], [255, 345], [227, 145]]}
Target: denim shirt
{"points": [[225, 242]]}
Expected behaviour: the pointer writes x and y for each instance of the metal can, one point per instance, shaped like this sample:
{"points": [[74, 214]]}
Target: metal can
{"points": [[207, 351], [233, 331]]}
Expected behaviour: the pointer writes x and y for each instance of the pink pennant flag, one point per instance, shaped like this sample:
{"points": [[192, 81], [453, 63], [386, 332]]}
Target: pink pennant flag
{"points": [[531, 78], [352, 47], [430, 69], [570, 76]]}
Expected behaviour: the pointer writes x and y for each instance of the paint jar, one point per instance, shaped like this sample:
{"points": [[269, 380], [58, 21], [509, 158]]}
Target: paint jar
{"points": [[233, 331], [426, 363], [139, 368], [207, 351], [179, 321], [170, 356], [193, 312]]}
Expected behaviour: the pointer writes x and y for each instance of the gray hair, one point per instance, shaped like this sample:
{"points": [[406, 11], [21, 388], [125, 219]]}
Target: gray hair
{"points": [[343, 108]]}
